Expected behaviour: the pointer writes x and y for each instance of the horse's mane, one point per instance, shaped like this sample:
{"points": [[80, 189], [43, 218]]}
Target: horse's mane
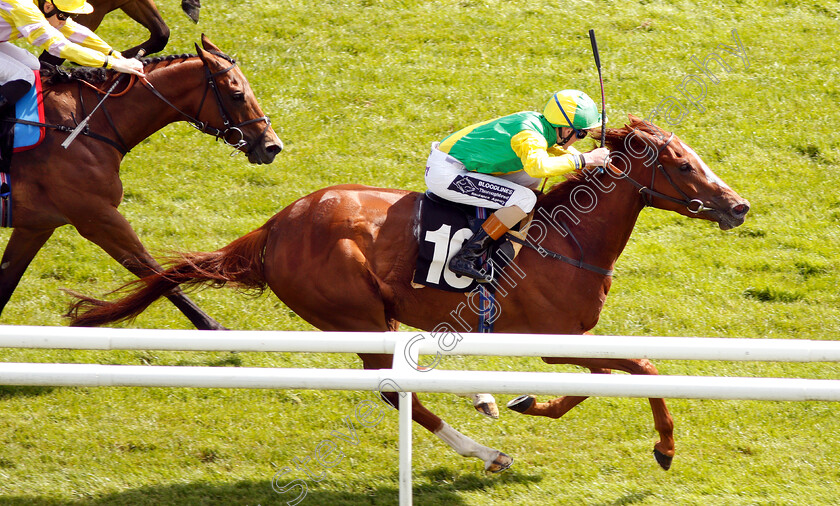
{"points": [[57, 74], [614, 140]]}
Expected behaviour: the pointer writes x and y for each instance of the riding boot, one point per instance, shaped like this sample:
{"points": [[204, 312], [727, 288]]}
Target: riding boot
{"points": [[12, 91], [468, 261], [5, 132]]}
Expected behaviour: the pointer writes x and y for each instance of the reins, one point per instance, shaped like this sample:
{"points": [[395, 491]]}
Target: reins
{"points": [[131, 80], [231, 135]]}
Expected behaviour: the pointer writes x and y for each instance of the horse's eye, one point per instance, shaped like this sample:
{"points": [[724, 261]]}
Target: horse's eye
{"points": [[239, 96], [686, 167]]}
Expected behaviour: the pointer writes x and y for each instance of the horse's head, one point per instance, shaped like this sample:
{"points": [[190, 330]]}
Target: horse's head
{"points": [[670, 175], [238, 119]]}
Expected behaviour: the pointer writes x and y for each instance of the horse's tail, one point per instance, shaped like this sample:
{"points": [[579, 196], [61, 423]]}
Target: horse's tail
{"points": [[240, 264]]}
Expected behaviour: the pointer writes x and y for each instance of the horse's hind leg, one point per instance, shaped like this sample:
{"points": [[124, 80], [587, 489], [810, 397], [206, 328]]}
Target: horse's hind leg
{"points": [[663, 450], [494, 460], [22, 247]]}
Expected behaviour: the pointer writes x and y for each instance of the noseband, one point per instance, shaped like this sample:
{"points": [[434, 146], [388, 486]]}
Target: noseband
{"points": [[229, 134], [693, 205]]}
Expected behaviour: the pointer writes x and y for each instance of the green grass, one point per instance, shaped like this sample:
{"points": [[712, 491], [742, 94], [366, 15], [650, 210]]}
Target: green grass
{"points": [[358, 90]]}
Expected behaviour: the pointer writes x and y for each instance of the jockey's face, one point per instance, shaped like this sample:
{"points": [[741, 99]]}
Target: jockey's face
{"points": [[55, 17], [570, 133]]}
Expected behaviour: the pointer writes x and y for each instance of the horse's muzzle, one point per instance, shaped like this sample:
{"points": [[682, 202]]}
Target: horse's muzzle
{"points": [[265, 151], [733, 216]]}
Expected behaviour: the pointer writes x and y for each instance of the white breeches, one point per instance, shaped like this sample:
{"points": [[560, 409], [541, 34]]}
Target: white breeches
{"points": [[447, 178], [17, 64]]}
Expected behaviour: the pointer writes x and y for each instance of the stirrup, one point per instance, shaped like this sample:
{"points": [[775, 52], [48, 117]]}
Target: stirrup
{"points": [[473, 272]]}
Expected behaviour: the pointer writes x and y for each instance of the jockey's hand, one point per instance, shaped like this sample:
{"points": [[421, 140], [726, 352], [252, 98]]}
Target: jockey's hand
{"points": [[128, 66], [596, 157]]}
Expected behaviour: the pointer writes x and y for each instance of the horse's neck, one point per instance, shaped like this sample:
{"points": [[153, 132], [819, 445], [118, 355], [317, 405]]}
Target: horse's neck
{"points": [[599, 213], [137, 114], [181, 83]]}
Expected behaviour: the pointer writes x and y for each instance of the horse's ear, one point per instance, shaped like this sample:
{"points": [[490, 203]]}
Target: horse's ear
{"points": [[209, 46], [633, 118], [200, 53]]}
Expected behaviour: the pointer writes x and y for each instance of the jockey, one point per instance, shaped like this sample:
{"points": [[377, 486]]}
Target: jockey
{"points": [[498, 163], [48, 24]]}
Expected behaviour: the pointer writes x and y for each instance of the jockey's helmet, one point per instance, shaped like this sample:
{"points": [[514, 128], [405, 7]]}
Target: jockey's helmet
{"points": [[73, 6], [578, 110]]}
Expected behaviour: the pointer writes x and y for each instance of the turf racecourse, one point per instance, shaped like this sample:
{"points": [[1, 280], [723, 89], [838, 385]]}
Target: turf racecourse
{"points": [[358, 90]]}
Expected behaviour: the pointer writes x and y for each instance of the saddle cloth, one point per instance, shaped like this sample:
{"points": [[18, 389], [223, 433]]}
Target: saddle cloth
{"points": [[30, 108], [444, 226]]}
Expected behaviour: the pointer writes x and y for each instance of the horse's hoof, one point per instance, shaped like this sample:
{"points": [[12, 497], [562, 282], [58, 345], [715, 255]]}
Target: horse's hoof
{"points": [[191, 8], [499, 464], [488, 409], [663, 460], [522, 403]]}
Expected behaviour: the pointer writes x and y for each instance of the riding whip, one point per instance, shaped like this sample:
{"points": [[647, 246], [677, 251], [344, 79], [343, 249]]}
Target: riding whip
{"points": [[81, 126], [601, 80]]}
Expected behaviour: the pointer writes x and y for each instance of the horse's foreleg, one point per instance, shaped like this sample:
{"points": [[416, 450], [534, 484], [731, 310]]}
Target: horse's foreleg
{"points": [[663, 450], [145, 12], [494, 460], [113, 234], [555, 408], [22, 247], [191, 8]]}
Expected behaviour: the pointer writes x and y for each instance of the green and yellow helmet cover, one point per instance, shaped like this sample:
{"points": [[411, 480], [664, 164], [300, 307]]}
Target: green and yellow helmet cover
{"points": [[579, 108]]}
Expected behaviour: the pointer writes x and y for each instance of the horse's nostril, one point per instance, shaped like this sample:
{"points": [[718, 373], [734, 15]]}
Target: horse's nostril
{"points": [[740, 209]]}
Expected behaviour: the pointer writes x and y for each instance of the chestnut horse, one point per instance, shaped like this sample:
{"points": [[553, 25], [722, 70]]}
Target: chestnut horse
{"points": [[80, 185], [343, 257], [144, 12]]}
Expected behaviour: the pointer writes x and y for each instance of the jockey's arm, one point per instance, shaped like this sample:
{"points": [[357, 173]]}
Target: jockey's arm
{"points": [[540, 161], [84, 36], [32, 25]]}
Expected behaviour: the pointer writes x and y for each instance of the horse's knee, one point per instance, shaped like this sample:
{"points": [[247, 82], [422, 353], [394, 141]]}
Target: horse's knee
{"points": [[157, 42]]}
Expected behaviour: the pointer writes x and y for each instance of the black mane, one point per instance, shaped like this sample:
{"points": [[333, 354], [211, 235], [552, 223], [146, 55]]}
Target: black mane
{"points": [[96, 75]]}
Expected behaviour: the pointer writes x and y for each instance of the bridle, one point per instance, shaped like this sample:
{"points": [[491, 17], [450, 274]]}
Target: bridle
{"points": [[647, 192], [229, 134], [695, 206]]}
